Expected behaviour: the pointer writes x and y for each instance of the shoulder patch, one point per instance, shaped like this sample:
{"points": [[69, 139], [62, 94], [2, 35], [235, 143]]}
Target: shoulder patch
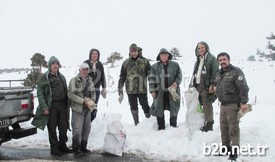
{"points": [[240, 78]]}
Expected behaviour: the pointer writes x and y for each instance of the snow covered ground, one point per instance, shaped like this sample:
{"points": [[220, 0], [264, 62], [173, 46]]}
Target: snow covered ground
{"points": [[176, 144]]}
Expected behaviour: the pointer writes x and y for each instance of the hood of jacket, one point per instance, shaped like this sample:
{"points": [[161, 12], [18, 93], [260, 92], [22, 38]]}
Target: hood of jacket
{"points": [[163, 50], [52, 60], [91, 51]]}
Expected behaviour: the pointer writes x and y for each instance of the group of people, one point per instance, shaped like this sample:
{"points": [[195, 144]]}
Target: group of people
{"points": [[228, 84], [55, 100]]}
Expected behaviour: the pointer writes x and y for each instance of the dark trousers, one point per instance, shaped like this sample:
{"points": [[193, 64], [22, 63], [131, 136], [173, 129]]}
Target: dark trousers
{"points": [[94, 112], [143, 101], [161, 122], [57, 119]]}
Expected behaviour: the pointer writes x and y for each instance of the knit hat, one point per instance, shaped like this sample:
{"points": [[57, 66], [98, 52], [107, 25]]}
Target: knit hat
{"points": [[162, 51], [133, 47]]}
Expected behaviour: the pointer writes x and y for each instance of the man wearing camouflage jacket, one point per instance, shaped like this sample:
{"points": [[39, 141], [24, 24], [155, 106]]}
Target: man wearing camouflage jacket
{"points": [[134, 72]]}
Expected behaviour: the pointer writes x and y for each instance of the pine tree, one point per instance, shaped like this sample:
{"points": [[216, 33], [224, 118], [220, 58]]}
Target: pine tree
{"points": [[113, 58], [251, 58], [271, 48], [38, 61], [175, 52]]}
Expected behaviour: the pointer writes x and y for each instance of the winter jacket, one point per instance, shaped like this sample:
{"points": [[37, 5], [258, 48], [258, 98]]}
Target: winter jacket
{"points": [[76, 93], [210, 67], [44, 95], [231, 86], [134, 73], [156, 84], [98, 76]]}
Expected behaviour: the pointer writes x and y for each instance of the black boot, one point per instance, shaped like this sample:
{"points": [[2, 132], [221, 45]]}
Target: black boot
{"points": [[233, 154], [135, 116], [55, 151], [146, 111], [63, 148], [233, 157], [173, 121], [84, 147], [208, 127], [76, 149], [161, 123]]}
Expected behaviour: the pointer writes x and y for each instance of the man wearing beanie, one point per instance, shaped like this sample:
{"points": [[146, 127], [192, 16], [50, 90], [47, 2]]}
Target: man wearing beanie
{"points": [[134, 72]]}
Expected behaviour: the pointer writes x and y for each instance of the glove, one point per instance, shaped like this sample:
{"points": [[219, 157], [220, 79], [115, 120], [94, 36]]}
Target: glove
{"points": [[120, 98], [173, 93], [103, 93], [90, 104]]}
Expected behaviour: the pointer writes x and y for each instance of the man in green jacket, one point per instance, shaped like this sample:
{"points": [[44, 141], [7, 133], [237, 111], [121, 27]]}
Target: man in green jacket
{"points": [[203, 80], [164, 74], [134, 72], [232, 92], [53, 108]]}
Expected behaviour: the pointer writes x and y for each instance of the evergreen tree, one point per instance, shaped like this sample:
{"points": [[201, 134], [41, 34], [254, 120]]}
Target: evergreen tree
{"points": [[32, 78], [251, 58], [113, 58], [175, 52], [271, 48], [38, 60]]}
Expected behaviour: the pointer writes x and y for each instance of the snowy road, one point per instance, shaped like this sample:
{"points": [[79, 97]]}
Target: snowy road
{"points": [[38, 155]]}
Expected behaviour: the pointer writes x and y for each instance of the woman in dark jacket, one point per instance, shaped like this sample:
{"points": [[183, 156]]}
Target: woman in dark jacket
{"points": [[98, 75]]}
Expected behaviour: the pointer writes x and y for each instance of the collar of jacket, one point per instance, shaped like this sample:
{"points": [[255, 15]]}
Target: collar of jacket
{"points": [[80, 78]]}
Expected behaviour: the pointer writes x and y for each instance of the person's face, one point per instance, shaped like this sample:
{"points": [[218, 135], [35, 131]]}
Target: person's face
{"points": [[54, 68], [134, 53], [84, 72], [201, 49], [94, 56], [164, 57], [223, 61]]}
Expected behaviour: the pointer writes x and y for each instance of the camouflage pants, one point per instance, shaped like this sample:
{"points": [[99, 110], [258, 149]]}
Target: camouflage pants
{"points": [[229, 125]]}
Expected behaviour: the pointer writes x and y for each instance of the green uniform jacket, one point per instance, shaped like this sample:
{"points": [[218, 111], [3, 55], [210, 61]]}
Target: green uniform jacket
{"points": [[44, 95], [231, 86], [76, 95], [134, 74], [211, 65], [156, 84]]}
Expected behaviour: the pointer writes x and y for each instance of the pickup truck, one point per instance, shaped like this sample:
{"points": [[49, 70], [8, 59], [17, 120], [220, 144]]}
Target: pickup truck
{"points": [[16, 106]]}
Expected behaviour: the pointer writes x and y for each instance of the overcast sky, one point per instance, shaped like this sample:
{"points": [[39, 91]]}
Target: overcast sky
{"points": [[68, 29]]}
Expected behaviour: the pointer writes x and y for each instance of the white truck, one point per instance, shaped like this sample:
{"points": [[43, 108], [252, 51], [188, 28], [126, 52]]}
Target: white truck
{"points": [[16, 106]]}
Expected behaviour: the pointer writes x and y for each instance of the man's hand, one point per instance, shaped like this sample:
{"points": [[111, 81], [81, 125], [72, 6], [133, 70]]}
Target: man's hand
{"points": [[154, 94], [90, 104], [243, 107], [46, 112], [211, 89], [174, 85], [103, 93]]}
